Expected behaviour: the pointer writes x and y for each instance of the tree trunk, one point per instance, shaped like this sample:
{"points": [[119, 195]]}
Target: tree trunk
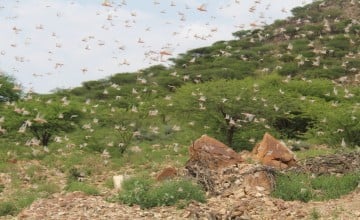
{"points": [[230, 134], [45, 138]]}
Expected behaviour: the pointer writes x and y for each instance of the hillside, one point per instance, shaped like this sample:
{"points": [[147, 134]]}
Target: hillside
{"points": [[297, 79]]}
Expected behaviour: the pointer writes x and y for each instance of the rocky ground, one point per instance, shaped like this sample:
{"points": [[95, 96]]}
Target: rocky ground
{"points": [[237, 190], [239, 205]]}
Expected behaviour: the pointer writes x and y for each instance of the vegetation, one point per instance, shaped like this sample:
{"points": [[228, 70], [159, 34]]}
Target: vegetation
{"points": [[145, 193], [83, 187], [9, 91], [296, 79], [304, 187]]}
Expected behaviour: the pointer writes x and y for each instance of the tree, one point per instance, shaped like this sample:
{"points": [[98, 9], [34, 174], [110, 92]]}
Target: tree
{"points": [[40, 119], [8, 90], [225, 107], [239, 112], [44, 131]]}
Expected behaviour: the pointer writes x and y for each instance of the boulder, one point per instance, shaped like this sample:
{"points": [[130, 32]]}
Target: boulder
{"points": [[167, 173], [209, 153], [272, 152], [259, 180]]}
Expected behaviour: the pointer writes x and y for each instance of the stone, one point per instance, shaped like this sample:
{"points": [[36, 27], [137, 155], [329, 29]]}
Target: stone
{"points": [[167, 173], [117, 181], [257, 180], [210, 153], [272, 152]]}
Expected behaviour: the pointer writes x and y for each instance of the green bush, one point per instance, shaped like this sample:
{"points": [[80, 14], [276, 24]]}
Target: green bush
{"points": [[331, 73], [303, 187], [339, 43], [170, 192], [145, 193], [289, 69]]}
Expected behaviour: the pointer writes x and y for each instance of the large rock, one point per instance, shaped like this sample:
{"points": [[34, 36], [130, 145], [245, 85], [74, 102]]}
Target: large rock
{"points": [[272, 152], [209, 153]]}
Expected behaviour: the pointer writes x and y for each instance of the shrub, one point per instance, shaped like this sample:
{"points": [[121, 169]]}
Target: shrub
{"points": [[331, 73], [339, 43], [303, 187], [7, 208], [135, 190], [315, 214], [122, 78], [170, 192], [289, 69], [143, 192]]}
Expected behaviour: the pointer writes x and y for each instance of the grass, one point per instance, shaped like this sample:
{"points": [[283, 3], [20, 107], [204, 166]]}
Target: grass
{"points": [[314, 214], [83, 187], [314, 152], [305, 188], [23, 198], [147, 194], [8, 208]]}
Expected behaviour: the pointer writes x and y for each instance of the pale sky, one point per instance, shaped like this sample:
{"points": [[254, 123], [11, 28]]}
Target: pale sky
{"points": [[48, 44]]}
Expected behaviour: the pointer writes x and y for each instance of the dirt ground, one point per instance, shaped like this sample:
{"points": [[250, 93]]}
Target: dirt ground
{"points": [[239, 205]]}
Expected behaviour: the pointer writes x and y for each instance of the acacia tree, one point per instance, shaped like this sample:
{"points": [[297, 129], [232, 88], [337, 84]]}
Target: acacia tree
{"points": [[224, 107], [8, 90], [239, 112], [57, 118], [44, 131], [40, 119]]}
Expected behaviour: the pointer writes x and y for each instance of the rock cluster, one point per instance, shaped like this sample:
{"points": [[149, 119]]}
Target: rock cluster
{"points": [[210, 160]]}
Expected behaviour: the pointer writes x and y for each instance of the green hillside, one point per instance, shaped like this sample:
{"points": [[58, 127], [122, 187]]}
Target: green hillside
{"points": [[297, 79]]}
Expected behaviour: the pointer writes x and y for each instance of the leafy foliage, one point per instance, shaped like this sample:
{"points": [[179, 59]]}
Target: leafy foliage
{"points": [[8, 92]]}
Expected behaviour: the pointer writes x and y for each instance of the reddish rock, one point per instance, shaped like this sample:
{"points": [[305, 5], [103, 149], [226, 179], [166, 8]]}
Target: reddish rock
{"points": [[257, 180], [209, 153], [272, 152], [167, 173]]}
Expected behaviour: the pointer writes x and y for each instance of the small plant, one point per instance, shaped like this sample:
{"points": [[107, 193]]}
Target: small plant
{"points": [[109, 183], [83, 187], [7, 208], [74, 174], [48, 189], [144, 193], [135, 191], [170, 192], [314, 214], [126, 138]]}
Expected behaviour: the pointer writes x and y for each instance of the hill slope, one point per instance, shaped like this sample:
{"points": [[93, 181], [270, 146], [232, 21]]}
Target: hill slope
{"points": [[296, 79]]}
